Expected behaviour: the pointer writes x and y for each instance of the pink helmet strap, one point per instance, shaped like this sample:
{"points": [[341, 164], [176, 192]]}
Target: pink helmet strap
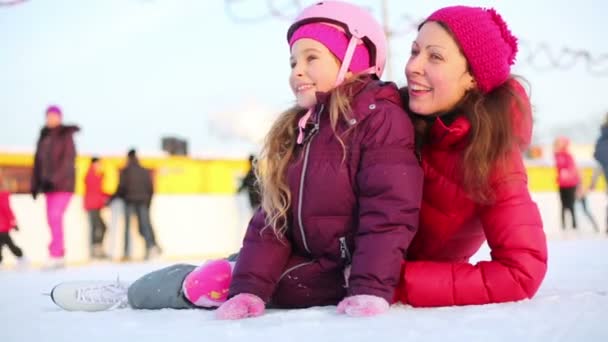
{"points": [[302, 125], [348, 56]]}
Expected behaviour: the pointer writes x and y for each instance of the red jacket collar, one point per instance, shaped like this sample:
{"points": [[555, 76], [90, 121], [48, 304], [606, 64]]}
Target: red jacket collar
{"points": [[452, 136]]}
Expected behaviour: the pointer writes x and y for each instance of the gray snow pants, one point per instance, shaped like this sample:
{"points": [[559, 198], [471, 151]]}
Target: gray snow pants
{"points": [[161, 289]]}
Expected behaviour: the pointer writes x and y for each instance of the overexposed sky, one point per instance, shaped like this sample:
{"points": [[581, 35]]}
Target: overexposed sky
{"points": [[131, 71]]}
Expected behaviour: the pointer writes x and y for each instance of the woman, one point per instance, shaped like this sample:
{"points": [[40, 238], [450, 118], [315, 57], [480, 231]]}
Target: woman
{"points": [[472, 120], [53, 175]]}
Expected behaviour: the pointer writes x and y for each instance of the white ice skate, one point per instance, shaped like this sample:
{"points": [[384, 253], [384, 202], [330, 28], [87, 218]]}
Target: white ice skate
{"points": [[90, 295]]}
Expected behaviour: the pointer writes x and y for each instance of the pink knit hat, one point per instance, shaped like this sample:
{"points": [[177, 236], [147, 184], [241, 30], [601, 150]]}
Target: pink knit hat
{"points": [[485, 40], [336, 41], [54, 109]]}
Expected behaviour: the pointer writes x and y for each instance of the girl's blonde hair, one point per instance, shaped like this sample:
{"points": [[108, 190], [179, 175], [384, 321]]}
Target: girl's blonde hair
{"points": [[278, 152]]}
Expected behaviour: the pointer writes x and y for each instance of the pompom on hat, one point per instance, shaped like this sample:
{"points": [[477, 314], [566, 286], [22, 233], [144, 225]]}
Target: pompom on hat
{"points": [[486, 42]]}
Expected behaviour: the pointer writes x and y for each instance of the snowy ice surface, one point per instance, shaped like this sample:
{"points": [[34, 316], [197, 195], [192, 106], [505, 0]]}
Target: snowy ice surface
{"points": [[571, 305]]}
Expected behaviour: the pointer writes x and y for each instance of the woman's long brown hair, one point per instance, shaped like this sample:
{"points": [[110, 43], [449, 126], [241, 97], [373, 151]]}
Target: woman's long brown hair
{"points": [[492, 136]]}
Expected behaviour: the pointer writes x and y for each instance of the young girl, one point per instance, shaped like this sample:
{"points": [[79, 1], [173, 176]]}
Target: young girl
{"points": [[568, 178], [8, 223], [341, 185], [472, 120]]}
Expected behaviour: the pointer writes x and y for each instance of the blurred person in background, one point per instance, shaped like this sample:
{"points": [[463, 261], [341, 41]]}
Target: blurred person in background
{"points": [[581, 195], [136, 189], [601, 155], [94, 200], [53, 175], [8, 222], [250, 184], [568, 178]]}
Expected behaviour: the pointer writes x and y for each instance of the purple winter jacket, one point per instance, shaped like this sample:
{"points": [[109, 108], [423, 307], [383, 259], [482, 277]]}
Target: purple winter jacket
{"points": [[360, 211], [54, 162]]}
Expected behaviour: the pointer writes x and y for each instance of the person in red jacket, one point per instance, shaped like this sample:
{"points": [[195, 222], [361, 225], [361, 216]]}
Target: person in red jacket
{"points": [[94, 200], [568, 178], [473, 119], [8, 223]]}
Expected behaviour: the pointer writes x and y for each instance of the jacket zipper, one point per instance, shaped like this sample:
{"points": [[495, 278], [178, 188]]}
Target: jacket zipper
{"points": [[344, 252], [314, 132]]}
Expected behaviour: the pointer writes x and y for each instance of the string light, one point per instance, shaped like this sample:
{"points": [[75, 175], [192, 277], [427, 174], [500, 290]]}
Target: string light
{"points": [[11, 2]]}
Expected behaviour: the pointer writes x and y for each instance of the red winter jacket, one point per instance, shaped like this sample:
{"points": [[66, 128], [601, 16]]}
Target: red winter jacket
{"points": [[7, 218], [94, 198], [567, 173], [453, 227]]}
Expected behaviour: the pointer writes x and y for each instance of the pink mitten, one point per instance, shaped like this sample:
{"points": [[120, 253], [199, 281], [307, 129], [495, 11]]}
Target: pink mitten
{"points": [[363, 305], [240, 306], [207, 286]]}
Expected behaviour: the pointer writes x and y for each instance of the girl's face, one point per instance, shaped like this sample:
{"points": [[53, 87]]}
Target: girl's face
{"points": [[53, 120], [437, 73], [313, 69]]}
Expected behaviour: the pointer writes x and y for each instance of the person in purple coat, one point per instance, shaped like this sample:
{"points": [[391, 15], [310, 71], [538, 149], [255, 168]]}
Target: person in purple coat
{"points": [[341, 189], [53, 175]]}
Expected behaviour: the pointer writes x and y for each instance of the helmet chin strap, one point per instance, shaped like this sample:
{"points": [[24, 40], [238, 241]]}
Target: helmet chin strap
{"points": [[348, 56], [302, 124]]}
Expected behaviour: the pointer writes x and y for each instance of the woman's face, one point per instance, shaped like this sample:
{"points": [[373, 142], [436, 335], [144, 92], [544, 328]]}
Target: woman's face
{"points": [[437, 73]]}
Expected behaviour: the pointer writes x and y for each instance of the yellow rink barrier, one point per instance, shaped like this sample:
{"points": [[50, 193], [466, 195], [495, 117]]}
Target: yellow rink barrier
{"points": [[185, 175], [172, 174]]}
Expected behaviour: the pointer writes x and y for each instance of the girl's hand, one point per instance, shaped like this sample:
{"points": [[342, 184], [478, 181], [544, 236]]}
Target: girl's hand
{"points": [[363, 305], [241, 306]]}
